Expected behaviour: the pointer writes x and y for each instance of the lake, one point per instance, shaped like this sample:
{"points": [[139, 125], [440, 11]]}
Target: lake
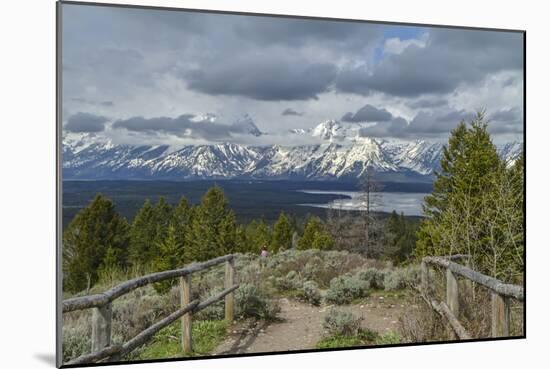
{"points": [[249, 199], [410, 203]]}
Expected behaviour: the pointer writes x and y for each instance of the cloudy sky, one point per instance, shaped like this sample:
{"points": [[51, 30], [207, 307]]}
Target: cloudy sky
{"points": [[148, 76]]}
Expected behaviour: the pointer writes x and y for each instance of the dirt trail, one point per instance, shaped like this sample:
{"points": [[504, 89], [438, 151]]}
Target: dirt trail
{"points": [[301, 328]]}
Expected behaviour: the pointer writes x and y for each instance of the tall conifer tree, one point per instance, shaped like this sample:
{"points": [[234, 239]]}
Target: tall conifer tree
{"points": [[96, 238], [282, 234]]}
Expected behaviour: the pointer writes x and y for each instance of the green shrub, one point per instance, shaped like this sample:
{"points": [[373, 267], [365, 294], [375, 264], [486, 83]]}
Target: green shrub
{"points": [[310, 292], [374, 276], [388, 338], [250, 273], [412, 274], [207, 335], [345, 289], [362, 338], [341, 323], [312, 268], [339, 341], [216, 311], [291, 281], [400, 278], [395, 280], [139, 309], [253, 303], [76, 342]]}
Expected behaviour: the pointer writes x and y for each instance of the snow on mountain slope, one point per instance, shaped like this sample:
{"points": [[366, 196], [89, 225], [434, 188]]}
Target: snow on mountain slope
{"points": [[342, 153], [511, 151], [418, 156], [220, 160]]}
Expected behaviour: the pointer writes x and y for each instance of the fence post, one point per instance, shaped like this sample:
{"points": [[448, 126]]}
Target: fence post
{"points": [[101, 327], [424, 276], [500, 315], [452, 293], [186, 323], [229, 282]]}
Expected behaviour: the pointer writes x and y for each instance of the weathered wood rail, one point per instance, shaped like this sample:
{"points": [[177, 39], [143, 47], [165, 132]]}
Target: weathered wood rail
{"points": [[501, 294], [103, 350]]}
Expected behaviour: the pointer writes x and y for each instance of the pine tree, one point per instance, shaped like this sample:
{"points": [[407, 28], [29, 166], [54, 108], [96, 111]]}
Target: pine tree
{"points": [[168, 258], [400, 237], [181, 221], [312, 227], [242, 243], [452, 153], [162, 217], [96, 238], [472, 205], [258, 235], [282, 234], [323, 241], [315, 236], [212, 231], [143, 236]]}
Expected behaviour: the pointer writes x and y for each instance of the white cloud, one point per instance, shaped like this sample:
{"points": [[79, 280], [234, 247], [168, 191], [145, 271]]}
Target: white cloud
{"points": [[396, 46]]}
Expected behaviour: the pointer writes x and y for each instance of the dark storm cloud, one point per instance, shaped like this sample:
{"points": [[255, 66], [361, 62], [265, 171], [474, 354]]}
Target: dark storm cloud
{"points": [[427, 103], [368, 113], [188, 125], [297, 32], [450, 57], [506, 121], [396, 127], [85, 123], [181, 126], [93, 102], [263, 78], [148, 61], [433, 123], [506, 115], [424, 125], [290, 111]]}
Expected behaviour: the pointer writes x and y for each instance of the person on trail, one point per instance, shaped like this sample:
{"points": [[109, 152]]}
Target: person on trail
{"points": [[263, 257]]}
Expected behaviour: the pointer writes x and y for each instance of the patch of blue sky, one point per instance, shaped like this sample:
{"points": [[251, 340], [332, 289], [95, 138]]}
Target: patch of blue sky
{"points": [[401, 32]]}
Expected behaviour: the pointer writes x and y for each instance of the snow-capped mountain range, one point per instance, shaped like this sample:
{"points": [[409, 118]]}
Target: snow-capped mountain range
{"points": [[342, 153]]}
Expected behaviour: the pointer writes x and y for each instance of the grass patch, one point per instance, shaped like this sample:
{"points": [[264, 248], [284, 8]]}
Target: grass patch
{"points": [[206, 334], [359, 300], [364, 337], [294, 293]]}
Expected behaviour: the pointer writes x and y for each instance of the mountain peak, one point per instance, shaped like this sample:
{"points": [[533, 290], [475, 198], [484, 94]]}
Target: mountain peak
{"points": [[329, 130], [246, 125]]}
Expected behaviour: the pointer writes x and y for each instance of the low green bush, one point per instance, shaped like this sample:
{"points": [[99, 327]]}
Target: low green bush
{"points": [[311, 293], [341, 323], [339, 341], [374, 276], [291, 281], [345, 289], [207, 335], [251, 302], [397, 279], [76, 342], [388, 338]]}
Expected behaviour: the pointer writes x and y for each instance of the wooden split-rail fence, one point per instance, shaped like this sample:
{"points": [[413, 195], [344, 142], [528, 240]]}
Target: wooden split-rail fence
{"points": [[501, 294], [102, 348]]}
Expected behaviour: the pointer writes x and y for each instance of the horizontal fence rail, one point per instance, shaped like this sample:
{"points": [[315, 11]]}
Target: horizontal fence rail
{"points": [[501, 293], [102, 310], [86, 302], [504, 289]]}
